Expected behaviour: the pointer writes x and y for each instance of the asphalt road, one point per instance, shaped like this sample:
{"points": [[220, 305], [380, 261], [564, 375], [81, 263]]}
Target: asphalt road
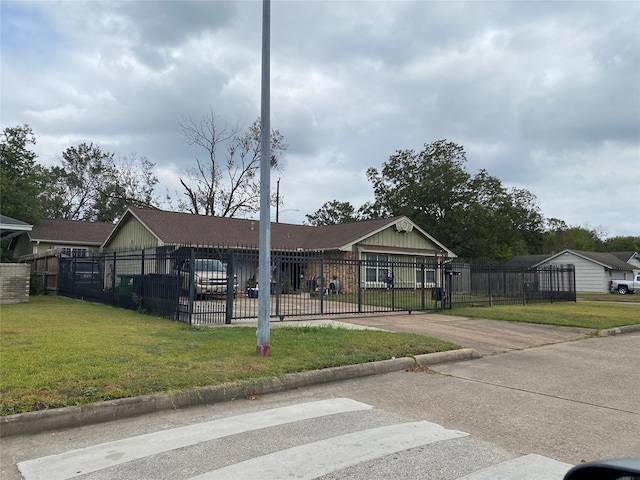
{"points": [[564, 400]]}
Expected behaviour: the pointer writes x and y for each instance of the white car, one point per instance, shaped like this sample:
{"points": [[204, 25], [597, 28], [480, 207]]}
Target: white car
{"points": [[209, 276]]}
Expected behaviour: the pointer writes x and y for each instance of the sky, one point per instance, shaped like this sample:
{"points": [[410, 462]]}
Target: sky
{"points": [[544, 95]]}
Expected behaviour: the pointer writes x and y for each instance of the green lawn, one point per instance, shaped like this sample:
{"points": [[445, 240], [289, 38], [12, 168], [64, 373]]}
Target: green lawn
{"points": [[587, 314], [57, 352]]}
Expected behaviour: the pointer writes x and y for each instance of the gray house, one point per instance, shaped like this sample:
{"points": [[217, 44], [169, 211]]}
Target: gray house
{"points": [[593, 270], [55, 236]]}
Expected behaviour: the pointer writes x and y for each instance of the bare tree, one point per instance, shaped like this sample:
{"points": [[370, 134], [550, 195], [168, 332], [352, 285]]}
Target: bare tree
{"points": [[230, 186]]}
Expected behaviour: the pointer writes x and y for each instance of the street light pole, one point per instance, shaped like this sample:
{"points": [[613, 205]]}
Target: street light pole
{"points": [[263, 345]]}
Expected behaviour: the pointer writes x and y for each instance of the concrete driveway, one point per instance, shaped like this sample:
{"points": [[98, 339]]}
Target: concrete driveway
{"points": [[488, 337]]}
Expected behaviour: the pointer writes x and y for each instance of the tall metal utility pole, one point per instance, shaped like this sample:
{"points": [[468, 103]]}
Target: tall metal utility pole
{"points": [[263, 346]]}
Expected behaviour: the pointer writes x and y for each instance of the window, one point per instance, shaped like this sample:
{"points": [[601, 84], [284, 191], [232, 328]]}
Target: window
{"points": [[426, 267], [377, 267], [74, 252]]}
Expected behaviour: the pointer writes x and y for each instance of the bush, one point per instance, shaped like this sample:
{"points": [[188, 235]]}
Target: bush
{"points": [[35, 283]]}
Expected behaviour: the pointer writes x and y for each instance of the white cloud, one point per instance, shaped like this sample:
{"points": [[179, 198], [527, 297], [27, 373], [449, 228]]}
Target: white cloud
{"points": [[544, 95]]}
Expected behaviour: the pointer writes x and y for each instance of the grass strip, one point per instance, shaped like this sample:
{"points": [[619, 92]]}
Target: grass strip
{"points": [[57, 352], [596, 315]]}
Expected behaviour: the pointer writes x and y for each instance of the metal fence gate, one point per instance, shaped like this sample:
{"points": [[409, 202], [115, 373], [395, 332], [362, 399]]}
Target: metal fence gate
{"points": [[201, 285]]}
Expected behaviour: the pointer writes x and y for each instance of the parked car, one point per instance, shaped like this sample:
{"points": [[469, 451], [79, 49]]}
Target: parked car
{"points": [[209, 276], [614, 469], [81, 271], [625, 286]]}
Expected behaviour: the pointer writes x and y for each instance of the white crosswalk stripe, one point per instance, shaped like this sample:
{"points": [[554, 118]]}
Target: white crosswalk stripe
{"points": [[90, 459], [319, 458], [358, 437]]}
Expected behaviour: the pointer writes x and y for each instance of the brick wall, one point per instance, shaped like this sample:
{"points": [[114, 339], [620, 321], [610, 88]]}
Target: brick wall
{"points": [[14, 282]]}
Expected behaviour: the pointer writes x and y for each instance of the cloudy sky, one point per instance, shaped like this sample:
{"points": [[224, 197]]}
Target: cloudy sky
{"points": [[544, 95]]}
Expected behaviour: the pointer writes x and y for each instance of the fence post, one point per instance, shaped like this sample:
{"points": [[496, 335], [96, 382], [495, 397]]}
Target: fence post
{"points": [[113, 277], [230, 287], [449, 297], [192, 285], [392, 288], [422, 288], [524, 289], [278, 286], [490, 289], [359, 284], [442, 283], [321, 286]]}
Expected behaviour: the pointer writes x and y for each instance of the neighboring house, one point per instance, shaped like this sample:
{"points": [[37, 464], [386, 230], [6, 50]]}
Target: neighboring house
{"points": [[68, 237], [385, 240], [632, 258], [10, 227], [593, 270], [14, 278]]}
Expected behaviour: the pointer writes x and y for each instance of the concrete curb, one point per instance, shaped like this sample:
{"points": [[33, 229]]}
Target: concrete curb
{"points": [[72, 417], [619, 330]]}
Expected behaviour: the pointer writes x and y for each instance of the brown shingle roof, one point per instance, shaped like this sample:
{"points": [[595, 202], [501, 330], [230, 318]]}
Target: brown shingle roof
{"points": [[70, 231], [184, 228]]}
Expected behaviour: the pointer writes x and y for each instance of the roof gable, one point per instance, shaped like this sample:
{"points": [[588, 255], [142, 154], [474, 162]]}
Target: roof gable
{"points": [[626, 256], [605, 259]]}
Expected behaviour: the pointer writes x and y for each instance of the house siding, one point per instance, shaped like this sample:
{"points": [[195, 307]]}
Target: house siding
{"points": [[404, 275], [635, 262], [132, 234], [590, 277], [23, 246], [391, 237]]}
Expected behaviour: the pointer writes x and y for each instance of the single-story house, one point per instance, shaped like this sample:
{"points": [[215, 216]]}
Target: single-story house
{"points": [[593, 270], [377, 242], [14, 278], [69, 237], [10, 227], [632, 258]]}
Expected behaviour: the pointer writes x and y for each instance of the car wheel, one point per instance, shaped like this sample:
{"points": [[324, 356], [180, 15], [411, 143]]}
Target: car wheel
{"points": [[622, 289]]}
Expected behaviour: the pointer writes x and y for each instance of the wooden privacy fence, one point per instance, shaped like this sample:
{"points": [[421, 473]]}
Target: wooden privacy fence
{"points": [[46, 267]]}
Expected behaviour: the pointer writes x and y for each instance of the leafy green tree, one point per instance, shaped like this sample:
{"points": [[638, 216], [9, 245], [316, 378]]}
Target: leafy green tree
{"points": [[476, 216], [527, 219], [21, 178], [76, 185], [134, 186], [622, 244], [429, 186], [333, 213], [560, 236], [227, 186], [89, 184]]}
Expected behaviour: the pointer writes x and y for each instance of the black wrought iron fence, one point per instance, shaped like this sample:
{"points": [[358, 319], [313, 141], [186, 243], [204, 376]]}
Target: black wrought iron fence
{"points": [[202, 285]]}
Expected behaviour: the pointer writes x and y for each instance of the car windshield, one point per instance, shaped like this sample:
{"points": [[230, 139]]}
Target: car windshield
{"points": [[86, 267], [209, 265]]}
